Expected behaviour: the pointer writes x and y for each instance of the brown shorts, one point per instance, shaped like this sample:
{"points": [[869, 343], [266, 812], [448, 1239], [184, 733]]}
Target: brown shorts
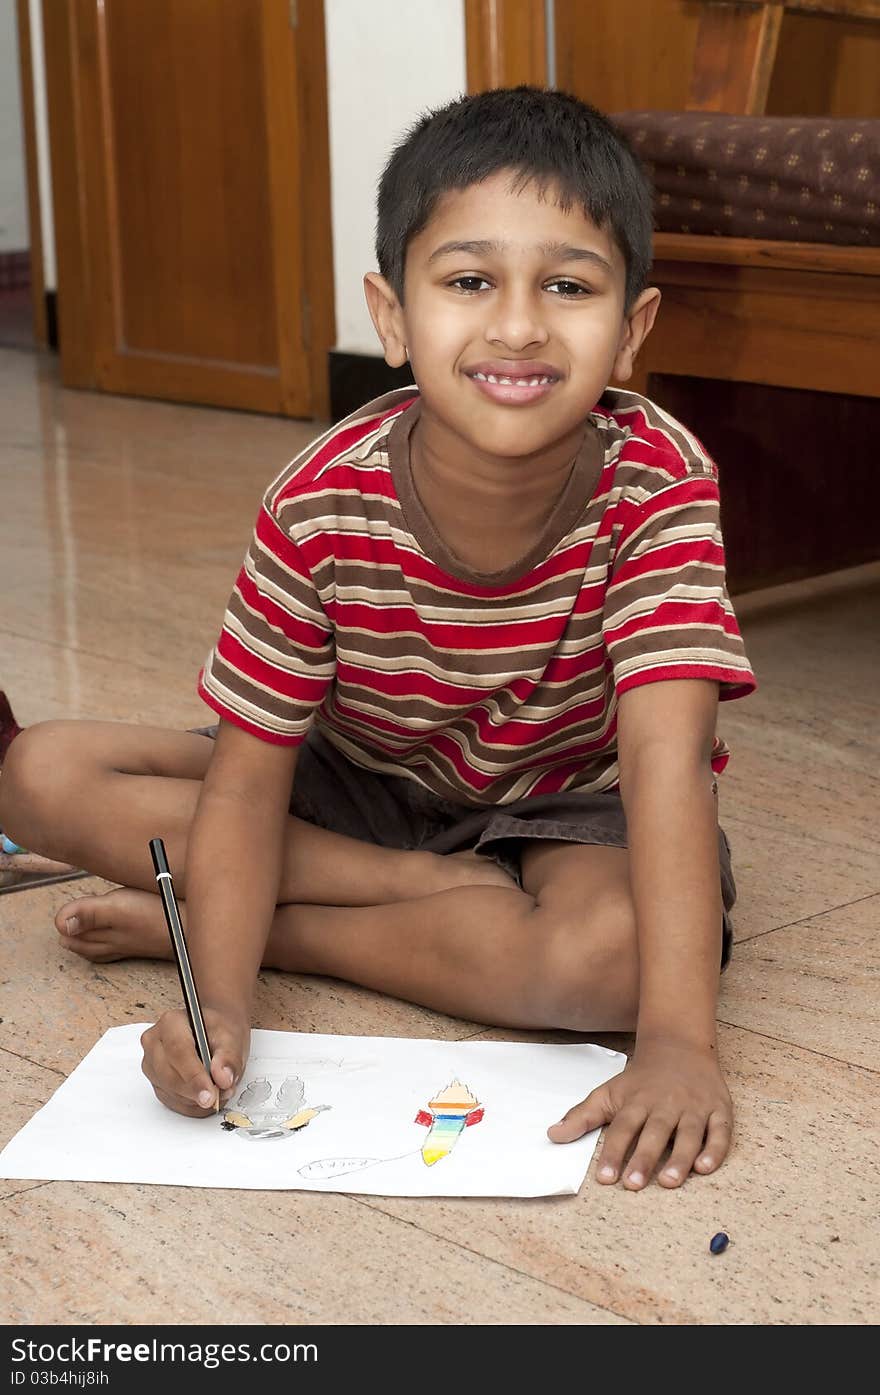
{"points": [[395, 812]]}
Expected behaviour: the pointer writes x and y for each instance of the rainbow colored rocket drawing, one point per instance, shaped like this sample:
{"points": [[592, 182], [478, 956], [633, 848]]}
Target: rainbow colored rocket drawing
{"points": [[447, 1115]]}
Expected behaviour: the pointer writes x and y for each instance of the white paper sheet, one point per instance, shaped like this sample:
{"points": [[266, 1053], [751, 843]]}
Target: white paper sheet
{"points": [[383, 1116]]}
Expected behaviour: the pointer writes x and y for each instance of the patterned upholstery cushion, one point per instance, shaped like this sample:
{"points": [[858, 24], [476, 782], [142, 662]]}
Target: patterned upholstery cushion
{"points": [[799, 178]]}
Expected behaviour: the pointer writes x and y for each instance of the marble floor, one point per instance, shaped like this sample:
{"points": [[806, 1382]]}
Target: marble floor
{"points": [[121, 525]]}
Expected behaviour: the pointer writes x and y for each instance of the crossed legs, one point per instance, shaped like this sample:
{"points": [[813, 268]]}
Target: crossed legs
{"points": [[450, 932]]}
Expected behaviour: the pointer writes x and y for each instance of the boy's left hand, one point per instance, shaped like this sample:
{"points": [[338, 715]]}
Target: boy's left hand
{"points": [[669, 1091]]}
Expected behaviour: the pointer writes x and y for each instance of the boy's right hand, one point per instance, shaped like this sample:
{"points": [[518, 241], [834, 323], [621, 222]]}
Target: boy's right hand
{"points": [[172, 1066]]}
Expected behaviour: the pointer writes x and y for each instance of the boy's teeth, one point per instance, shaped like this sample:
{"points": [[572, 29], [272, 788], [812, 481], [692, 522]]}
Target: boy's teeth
{"points": [[510, 382]]}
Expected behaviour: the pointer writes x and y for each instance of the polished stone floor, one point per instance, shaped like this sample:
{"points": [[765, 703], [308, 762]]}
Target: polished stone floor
{"points": [[122, 522]]}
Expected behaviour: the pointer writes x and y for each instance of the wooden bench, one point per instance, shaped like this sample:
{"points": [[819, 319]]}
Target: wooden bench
{"points": [[753, 310], [770, 350], [787, 314]]}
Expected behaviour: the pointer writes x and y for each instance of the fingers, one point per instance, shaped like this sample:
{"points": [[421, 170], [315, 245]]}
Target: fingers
{"points": [[669, 1096], [651, 1136], [230, 1039], [618, 1139], [226, 1068], [590, 1114], [650, 1147], [688, 1142], [718, 1136], [171, 1064], [180, 1105]]}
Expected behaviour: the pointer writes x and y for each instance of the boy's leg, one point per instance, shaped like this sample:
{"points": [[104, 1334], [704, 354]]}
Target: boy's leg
{"points": [[561, 953], [94, 793]]}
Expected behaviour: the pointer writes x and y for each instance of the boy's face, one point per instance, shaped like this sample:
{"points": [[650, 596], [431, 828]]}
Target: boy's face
{"points": [[507, 285]]}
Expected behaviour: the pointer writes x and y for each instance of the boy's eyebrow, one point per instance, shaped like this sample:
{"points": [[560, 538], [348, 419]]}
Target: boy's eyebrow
{"points": [[555, 251]]}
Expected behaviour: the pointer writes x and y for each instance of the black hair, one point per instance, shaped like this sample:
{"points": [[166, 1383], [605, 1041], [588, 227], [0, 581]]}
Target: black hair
{"points": [[551, 138]]}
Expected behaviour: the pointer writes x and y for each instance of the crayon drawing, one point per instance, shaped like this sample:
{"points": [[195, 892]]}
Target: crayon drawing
{"points": [[261, 1112], [446, 1117], [377, 1116]]}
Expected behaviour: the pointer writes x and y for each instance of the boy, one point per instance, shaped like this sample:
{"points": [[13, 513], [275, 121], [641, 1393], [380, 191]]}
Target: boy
{"points": [[480, 633]]}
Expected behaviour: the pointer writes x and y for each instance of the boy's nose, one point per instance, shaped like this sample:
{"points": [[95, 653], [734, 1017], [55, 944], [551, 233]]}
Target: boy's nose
{"points": [[515, 323]]}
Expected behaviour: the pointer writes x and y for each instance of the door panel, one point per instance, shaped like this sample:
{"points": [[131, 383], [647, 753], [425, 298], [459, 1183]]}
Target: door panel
{"points": [[192, 215], [190, 129]]}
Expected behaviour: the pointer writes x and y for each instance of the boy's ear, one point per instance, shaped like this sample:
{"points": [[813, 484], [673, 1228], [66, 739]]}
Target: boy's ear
{"points": [[387, 315], [636, 328]]}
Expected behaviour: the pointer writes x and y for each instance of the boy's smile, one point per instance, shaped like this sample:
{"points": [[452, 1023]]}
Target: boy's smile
{"points": [[513, 382], [514, 321]]}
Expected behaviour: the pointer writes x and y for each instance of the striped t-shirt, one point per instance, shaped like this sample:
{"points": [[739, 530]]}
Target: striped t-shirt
{"points": [[350, 611]]}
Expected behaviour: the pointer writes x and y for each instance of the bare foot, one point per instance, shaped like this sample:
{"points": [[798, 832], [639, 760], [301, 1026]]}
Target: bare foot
{"points": [[130, 924], [123, 924]]}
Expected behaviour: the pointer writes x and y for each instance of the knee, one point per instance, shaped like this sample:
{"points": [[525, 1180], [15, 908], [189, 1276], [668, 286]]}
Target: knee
{"points": [[591, 968], [37, 763]]}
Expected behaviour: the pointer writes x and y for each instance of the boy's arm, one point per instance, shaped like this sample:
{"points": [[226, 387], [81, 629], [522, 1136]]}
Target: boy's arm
{"points": [[233, 870], [233, 863], [665, 737], [672, 1090]]}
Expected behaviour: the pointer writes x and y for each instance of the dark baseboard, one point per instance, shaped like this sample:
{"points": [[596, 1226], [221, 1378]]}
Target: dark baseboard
{"points": [[15, 270], [358, 378], [52, 319]]}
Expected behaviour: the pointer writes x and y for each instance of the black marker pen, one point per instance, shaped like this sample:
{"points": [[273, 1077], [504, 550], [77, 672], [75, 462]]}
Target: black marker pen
{"points": [[184, 969]]}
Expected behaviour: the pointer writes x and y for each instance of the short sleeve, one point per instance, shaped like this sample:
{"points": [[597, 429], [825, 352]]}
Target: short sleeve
{"points": [[667, 611], [275, 657]]}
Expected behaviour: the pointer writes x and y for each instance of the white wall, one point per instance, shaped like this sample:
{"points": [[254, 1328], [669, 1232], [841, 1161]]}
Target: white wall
{"points": [[387, 62], [14, 231], [44, 168], [14, 235]]}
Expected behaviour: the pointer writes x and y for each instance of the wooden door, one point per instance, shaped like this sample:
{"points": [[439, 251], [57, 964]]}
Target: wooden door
{"points": [[191, 190]]}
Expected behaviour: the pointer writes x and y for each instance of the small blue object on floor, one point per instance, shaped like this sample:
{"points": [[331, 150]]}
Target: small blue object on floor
{"points": [[7, 846], [719, 1243]]}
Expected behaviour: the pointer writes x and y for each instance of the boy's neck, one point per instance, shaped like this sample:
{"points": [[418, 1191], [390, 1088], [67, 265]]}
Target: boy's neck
{"points": [[489, 511], [518, 489]]}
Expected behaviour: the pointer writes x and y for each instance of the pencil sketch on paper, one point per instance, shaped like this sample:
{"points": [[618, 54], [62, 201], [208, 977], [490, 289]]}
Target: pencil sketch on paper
{"points": [[446, 1117], [262, 1112], [325, 1168]]}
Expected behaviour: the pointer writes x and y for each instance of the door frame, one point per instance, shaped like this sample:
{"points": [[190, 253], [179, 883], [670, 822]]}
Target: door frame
{"points": [[32, 177], [506, 43], [75, 166]]}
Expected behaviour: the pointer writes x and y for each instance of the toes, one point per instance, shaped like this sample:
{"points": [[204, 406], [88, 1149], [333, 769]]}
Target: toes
{"points": [[96, 949], [80, 932], [70, 919]]}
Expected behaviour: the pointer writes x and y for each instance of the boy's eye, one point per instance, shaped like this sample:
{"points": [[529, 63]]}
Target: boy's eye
{"points": [[570, 289], [469, 284]]}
